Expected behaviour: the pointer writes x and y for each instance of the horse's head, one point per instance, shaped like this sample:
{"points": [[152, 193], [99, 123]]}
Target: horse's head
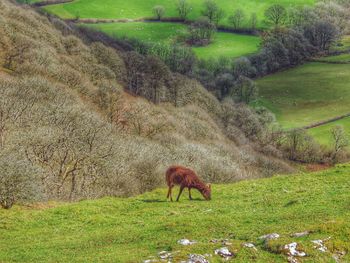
{"points": [[207, 192]]}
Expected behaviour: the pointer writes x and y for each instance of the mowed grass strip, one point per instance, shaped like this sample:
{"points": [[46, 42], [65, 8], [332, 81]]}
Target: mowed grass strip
{"points": [[133, 9], [132, 229], [307, 94], [224, 44]]}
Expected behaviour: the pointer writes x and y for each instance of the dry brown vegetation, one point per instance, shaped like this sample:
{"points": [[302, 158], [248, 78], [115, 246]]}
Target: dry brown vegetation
{"points": [[73, 132]]}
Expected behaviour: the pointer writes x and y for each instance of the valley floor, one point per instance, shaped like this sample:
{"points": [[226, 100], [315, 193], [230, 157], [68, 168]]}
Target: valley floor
{"points": [[135, 229]]}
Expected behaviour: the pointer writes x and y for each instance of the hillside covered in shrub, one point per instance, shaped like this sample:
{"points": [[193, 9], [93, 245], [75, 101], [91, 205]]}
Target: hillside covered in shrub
{"points": [[70, 131]]}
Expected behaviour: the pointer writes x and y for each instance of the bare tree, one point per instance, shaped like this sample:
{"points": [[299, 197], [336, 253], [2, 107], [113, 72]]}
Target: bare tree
{"points": [[213, 11], [276, 14], [17, 180], [159, 11], [340, 141], [253, 21], [183, 8], [237, 18]]}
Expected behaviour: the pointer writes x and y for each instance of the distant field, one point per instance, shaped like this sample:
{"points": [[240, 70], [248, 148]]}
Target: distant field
{"points": [[224, 44], [344, 58], [141, 8], [133, 229], [322, 133], [307, 94], [344, 44]]}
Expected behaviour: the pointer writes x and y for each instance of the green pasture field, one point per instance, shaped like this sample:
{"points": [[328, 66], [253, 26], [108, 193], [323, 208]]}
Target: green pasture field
{"points": [[344, 44], [134, 229], [342, 58], [135, 9], [322, 134], [224, 44], [307, 94]]}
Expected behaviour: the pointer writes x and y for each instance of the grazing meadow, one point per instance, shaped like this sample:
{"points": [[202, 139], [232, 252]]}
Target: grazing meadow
{"points": [[307, 94], [136, 9], [223, 44], [138, 228]]}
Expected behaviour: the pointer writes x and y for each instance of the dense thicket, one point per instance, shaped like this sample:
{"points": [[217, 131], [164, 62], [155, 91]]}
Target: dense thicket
{"points": [[69, 131]]}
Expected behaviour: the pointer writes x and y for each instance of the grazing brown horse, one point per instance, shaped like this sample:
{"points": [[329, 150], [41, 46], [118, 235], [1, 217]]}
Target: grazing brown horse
{"points": [[178, 175]]}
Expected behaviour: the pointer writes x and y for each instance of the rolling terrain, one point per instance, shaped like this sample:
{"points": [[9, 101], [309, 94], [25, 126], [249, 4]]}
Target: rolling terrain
{"points": [[135, 229], [224, 44], [136, 9]]}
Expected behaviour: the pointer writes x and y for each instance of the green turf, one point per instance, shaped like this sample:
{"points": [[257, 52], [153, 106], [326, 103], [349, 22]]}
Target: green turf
{"points": [[344, 44], [343, 58], [307, 94], [224, 44], [140, 8], [131, 230], [322, 134]]}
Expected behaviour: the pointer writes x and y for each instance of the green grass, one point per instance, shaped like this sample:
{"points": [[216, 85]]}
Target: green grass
{"points": [[134, 9], [131, 230], [307, 94], [224, 44], [322, 133], [344, 44], [344, 58]]}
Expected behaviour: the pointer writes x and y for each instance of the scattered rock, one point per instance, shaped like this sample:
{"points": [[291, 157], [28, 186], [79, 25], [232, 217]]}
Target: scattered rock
{"points": [[165, 255], [186, 242], [270, 236], [195, 258], [224, 242], [249, 245], [150, 261], [338, 255], [224, 252], [292, 260], [291, 250], [320, 244], [301, 234]]}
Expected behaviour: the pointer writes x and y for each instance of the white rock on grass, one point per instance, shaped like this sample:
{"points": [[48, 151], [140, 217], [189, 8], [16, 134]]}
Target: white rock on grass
{"points": [[186, 242], [301, 234], [292, 250], [270, 236], [320, 244], [250, 245], [165, 255], [196, 258], [224, 252]]}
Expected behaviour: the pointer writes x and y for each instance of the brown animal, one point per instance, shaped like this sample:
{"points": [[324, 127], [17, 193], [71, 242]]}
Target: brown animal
{"points": [[178, 175]]}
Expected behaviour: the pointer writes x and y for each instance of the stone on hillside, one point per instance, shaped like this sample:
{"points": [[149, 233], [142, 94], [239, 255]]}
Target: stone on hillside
{"points": [[301, 234], [270, 236], [249, 245], [196, 258], [186, 242], [224, 252], [320, 244], [165, 255], [292, 250]]}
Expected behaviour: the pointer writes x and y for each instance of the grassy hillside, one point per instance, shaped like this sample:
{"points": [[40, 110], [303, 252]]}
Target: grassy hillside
{"points": [[140, 9], [133, 229], [79, 135], [307, 94], [322, 133], [224, 44]]}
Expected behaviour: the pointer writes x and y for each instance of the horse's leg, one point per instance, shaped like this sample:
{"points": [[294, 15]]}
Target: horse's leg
{"points": [[168, 195], [189, 193], [181, 189], [171, 193]]}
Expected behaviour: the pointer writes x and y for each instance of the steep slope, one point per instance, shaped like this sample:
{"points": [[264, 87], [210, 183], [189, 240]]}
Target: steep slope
{"points": [[68, 125], [133, 229]]}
